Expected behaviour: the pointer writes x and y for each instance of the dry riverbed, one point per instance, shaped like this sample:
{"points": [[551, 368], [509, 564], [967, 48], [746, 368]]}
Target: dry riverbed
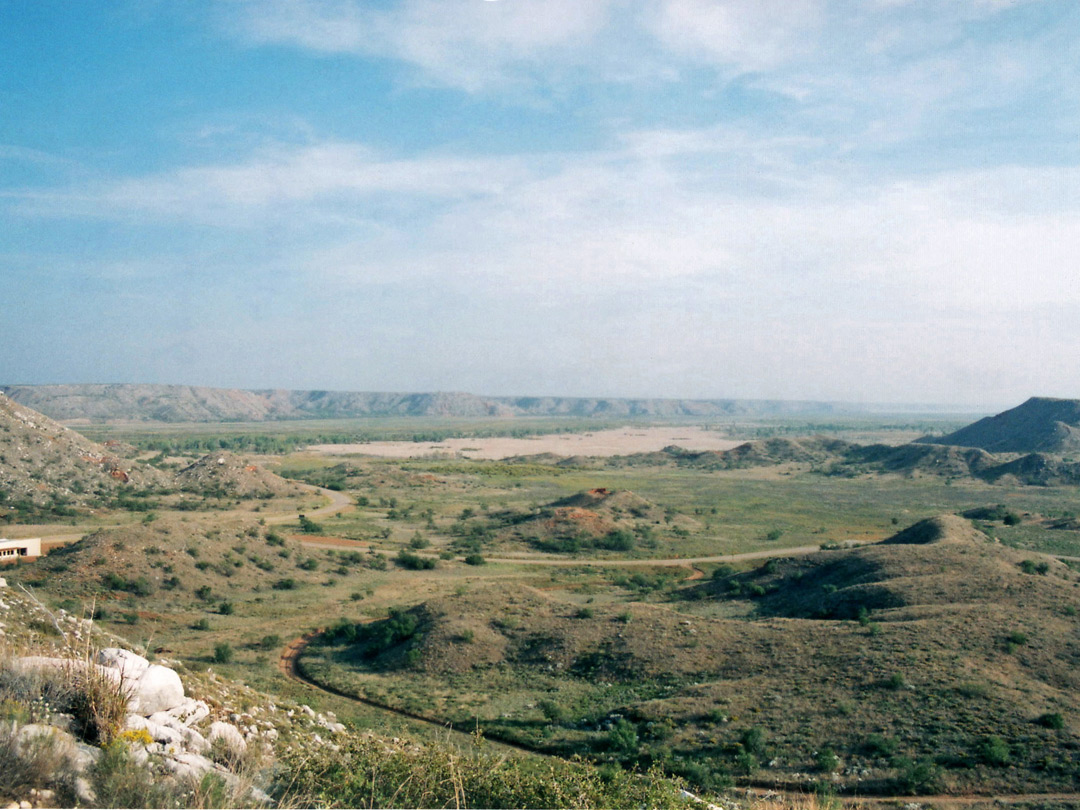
{"points": [[616, 442]]}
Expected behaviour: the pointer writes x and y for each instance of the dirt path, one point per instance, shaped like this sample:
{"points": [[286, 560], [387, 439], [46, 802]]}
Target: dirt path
{"points": [[681, 562]]}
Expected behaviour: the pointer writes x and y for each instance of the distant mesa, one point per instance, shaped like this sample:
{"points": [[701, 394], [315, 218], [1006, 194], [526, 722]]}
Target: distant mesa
{"points": [[1040, 425], [185, 403]]}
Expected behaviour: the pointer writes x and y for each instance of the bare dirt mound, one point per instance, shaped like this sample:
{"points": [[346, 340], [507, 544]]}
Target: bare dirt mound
{"points": [[229, 474], [1040, 425], [46, 465]]}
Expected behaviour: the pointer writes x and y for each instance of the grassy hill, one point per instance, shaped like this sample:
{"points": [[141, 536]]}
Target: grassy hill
{"points": [[936, 660]]}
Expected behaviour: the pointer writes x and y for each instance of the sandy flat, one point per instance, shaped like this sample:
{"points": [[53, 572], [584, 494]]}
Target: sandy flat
{"points": [[617, 442]]}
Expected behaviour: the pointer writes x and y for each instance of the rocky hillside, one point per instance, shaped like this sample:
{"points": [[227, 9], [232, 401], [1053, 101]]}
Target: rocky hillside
{"points": [[43, 464], [229, 474], [88, 722], [1040, 425], [182, 403]]}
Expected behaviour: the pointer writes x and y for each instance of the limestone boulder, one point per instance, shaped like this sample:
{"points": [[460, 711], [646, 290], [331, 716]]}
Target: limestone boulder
{"points": [[131, 665], [157, 690], [230, 735]]}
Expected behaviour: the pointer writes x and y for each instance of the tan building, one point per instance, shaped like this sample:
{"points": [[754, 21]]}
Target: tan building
{"points": [[12, 550]]}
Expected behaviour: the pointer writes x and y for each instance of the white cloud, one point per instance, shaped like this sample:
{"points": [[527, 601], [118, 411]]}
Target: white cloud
{"points": [[747, 34], [464, 43], [676, 251]]}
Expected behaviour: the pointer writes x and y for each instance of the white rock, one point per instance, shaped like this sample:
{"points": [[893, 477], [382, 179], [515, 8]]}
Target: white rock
{"points": [[85, 755], [84, 791], [158, 690], [194, 741], [3, 582], [166, 719], [131, 665], [189, 712], [41, 734], [229, 734], [157, 731], [193, 765]]}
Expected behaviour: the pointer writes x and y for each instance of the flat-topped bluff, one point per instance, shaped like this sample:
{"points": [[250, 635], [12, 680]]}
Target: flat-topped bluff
{"points": [[1040, 425], [186, 403]]}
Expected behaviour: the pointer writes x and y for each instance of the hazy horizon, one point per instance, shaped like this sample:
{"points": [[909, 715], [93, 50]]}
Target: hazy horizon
{"points": [[810, 200]]}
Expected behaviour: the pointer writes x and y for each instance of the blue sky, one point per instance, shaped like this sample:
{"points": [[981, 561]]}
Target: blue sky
{"points": [[870, 200]]}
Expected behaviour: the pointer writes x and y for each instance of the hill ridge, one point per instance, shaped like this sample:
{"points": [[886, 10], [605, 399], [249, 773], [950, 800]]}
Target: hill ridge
{"points": [[1039, 425], [187, 403]]}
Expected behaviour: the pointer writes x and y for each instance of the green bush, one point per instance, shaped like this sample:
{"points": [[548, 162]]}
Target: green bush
{"points": [[623, 738], [1051, 720], [913, 777], [895, 682], [994, 750], [827, 760], [414, 562], [475, 559], [223, 653]]}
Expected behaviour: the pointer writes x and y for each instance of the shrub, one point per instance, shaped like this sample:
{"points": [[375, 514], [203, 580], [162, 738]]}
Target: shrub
{"points": [[584, 613], [994, 750], [286, 584], [270, 642], [914, 777], [895, 682], [746, 763], [201, 624], [475, 559], [309, 564], [309, 526], [552, 711], [623, 738], [226, 608], [827, 760], [1051, 720], [414, 562], [753, 740], [878, 746]]}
